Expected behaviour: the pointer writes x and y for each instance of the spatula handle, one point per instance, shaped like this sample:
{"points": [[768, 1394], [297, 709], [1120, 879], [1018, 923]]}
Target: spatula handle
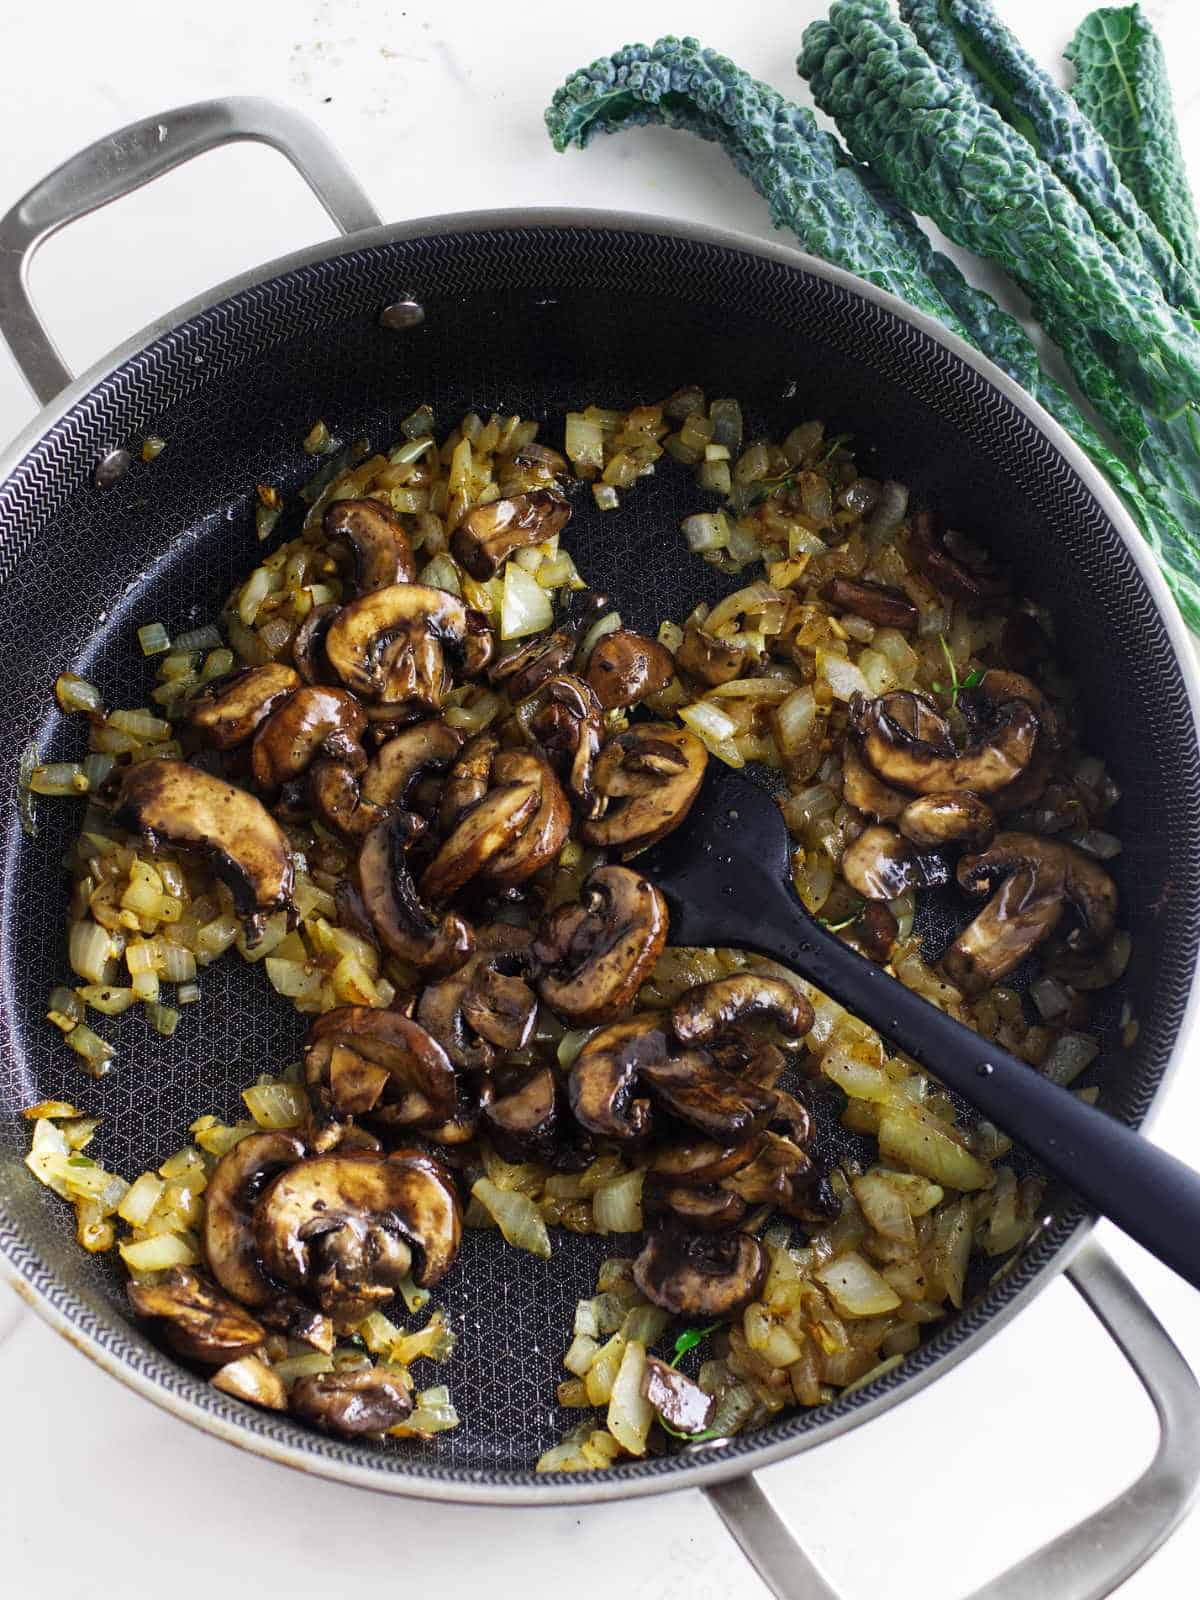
{"points": [[1145, 1191]]}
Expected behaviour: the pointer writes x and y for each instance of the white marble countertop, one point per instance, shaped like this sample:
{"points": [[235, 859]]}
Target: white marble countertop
{"points": [[439, 109]]}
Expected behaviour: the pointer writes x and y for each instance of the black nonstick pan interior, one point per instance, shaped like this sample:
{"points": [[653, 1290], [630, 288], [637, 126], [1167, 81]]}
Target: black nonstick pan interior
{"points": [[537, 321]]}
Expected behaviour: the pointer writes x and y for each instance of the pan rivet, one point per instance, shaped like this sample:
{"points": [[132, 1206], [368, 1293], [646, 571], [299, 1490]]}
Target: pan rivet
{"points": [[984, 1069], [111, 468], [402, 314]]}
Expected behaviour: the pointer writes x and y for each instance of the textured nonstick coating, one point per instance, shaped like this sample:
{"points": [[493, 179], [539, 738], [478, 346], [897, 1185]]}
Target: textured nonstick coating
{"points": [[533, 320]]}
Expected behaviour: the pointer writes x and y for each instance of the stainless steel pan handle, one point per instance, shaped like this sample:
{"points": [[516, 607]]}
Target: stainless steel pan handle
{"points": [[122, 162], [1090, 1560]]}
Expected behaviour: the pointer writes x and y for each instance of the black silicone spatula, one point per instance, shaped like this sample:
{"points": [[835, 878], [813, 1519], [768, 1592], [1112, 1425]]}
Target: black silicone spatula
{"points": [[727, 880]]}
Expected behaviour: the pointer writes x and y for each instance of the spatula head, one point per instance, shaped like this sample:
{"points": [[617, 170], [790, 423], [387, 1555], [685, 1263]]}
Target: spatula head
{"points": [[729, 854]]}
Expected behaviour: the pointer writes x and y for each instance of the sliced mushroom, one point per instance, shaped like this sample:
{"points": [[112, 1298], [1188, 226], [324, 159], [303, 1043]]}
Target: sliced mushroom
{"points": [[700, 1162], [879, 864], [467, 781], [367, 1400], [228, 1228], [703, 1275], [596, 955], [478, 649], [954, 817], [197, 1321], [491, 828], [336, 798], [700, 1209], [308, 647], [522, 1122], [1041, 876], [876, 930], [250, 1379], [624, 667], [712, 661], [380, 547], [781, 1175], [475, 1094], [388, 646], [908, 761], [485, 1003], [711, 1009], [427, 746], [887, 608], [416, 1072], [228, 712], [489, 534], [648, 777], [693, 1088], [402, 924], [864, 791], [564, 719], [346, 1227], [993, 689], [524, 670], [605, 1074], [543, 836], [173, 803], [678, 1401], [951, 579], [313, 721]]}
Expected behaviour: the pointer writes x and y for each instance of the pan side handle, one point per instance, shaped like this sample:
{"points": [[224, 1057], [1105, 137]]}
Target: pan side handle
{"points": [[122, 162], [1096, 1556]]}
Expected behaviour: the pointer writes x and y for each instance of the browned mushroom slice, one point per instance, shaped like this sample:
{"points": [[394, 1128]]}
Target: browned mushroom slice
{"points": [[228, 712], [475, 1094], [649, 777], [864, 791], [679, 1402], [703, 1161], [781, 1175], [704, 1275], [522, 1122], [380, 547], [418, 1073], [171, 802], [712, 661], [908, 761], [493, 826], [467, 781], [365, 1401], [313, 721], [253, 1380], [951, 579], [605, 1073], [887, 608], [346, 1228], [695, 1090], [389, 646], [427, 746], [597, 954], [487, 996], [954, 817], [543, 836], [1041, 877], [880, 865], [876, 930], [337, 799], [993, 689], [524, 670], [489, 534], [706, 1012], [402, 924], [308, 647], [228, 1228], [702, 1209], [478, 649], [565, 720], [197, 1321], [624, 667]]}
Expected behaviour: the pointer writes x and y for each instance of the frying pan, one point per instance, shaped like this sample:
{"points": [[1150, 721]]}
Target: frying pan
{"points": [[534, 312]]}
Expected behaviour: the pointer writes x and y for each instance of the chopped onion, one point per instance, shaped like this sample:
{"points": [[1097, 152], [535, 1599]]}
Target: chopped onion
{"points": [[932, 1152], [843, 677], [889, 510], [617, 1204], [159, 1253], [276, 1105], [204, 638], [855, 1288], [629, 1412], [610, 622], [1069, 1055], [154, 639], [526, 608], [705, 530], [77, 694], [515, 1214]]}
